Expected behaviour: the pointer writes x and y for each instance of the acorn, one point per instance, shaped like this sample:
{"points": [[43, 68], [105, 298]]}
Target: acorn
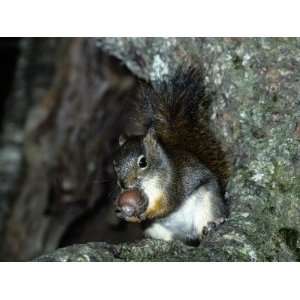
{"points": [[130, 205]]}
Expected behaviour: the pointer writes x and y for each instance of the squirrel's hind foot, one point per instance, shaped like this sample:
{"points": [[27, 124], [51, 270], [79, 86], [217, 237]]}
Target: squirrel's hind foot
{"points": [[212, 226]]}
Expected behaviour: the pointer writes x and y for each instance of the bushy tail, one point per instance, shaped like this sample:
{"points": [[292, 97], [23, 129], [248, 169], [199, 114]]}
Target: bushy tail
{"points": [[178, 112], [173, 109]]}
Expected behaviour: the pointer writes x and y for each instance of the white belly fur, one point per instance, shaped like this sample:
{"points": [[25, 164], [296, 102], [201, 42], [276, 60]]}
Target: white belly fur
{"points": [[195, 213], [152, 189]]}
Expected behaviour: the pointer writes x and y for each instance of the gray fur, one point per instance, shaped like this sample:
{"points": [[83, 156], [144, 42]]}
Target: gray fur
{"points": [[183, 195], [190, 188]]}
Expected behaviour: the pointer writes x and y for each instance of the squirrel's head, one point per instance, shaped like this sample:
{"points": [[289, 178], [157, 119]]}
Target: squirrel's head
{"points": [[141, 164]]}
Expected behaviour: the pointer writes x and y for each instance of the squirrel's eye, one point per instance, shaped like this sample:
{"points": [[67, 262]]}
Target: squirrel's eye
{"points": [[142, 162]]}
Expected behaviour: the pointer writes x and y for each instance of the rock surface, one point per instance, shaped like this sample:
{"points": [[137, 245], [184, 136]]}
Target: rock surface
{"points": [[255, 114]]}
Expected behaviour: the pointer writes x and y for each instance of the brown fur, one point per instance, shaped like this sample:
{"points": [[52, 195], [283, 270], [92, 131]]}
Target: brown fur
{"points": [[159, 209], [182, 126]]}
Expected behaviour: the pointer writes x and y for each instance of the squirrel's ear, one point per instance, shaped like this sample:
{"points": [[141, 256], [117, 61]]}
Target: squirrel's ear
{"points": [[122, 139], [150, 140]]}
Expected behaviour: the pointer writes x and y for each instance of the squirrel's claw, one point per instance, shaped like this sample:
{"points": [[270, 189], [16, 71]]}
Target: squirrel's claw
{"points": [[212, 226]]}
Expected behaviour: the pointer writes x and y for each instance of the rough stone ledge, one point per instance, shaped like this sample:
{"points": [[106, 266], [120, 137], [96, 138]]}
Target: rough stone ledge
{"points": [[229, 243]]}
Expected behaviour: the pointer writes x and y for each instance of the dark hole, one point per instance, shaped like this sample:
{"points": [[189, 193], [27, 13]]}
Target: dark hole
{"points": [[9, 50], [290, 237], [237, 62]]}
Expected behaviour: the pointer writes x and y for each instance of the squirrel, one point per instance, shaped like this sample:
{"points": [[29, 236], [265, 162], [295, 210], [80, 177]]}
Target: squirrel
{"points": [[160, 170]]}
